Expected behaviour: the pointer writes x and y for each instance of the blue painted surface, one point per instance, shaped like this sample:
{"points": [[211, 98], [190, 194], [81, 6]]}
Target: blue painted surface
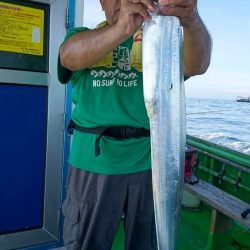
{"points": [[71, 13], [23, 111]]}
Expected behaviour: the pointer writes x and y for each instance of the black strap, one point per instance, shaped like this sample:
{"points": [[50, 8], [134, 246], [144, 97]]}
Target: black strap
{"points": [[97, 130], [125, 132], [121, 132], [245, 213]]}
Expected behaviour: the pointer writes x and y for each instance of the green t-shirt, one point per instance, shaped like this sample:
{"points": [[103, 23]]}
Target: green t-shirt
{"points": [[109, 94]]}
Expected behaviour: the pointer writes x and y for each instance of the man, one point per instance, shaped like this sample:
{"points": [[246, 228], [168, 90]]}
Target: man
{"points": [[110, 167]]}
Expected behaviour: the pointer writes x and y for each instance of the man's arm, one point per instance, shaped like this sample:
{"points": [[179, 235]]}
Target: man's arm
{"points": [[85, 48], [197, 48]]}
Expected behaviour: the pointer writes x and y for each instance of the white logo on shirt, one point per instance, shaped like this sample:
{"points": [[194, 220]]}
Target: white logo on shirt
{"points": [[109, 77]]}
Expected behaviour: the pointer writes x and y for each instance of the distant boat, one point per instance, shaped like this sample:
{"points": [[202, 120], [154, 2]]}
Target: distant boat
{"points": [[243, 99]]}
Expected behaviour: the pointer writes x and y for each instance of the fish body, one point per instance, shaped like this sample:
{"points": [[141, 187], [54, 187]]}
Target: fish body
{"points": [[164, 96]]}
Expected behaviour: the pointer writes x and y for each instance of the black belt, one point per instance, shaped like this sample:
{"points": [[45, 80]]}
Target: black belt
{"points": [[121, 132]]}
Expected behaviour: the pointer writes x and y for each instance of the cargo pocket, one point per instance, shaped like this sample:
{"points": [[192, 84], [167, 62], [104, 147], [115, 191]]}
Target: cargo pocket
{"points": [[71, 212]]}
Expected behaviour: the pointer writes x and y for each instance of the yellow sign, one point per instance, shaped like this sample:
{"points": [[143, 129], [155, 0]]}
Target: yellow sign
{"points": [[21, 29]]}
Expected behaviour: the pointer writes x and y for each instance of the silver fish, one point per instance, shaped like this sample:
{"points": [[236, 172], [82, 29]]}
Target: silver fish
{"points": [[164, 97]]}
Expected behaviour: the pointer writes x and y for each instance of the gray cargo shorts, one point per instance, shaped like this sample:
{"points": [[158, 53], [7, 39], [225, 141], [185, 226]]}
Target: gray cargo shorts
{"points": [[95, 203]]}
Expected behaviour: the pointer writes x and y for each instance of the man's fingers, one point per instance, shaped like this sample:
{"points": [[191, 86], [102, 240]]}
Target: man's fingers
{"points": [[138, 7], [140, 10], [178, 3], [148, 3], [171, 10]]}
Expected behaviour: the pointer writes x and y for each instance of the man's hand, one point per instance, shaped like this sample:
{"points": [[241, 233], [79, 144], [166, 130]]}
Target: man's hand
{"points": [[186, 10], [133, 13]]}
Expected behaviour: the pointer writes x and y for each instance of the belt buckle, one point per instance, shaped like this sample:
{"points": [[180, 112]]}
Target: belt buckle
{"points": [[138, 132], [132, 132], [123, 132], [129, 132]]}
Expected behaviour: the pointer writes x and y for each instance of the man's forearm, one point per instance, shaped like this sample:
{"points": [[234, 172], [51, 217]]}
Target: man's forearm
{"points": [[85, 48], [197, 48]]}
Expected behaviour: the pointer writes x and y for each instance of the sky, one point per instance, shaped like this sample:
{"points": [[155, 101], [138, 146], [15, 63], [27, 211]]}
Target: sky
{"points": [[228, 22]]}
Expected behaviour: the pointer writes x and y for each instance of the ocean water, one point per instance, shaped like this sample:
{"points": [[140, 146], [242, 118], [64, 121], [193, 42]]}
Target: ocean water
{"points": [[224, 122]]}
